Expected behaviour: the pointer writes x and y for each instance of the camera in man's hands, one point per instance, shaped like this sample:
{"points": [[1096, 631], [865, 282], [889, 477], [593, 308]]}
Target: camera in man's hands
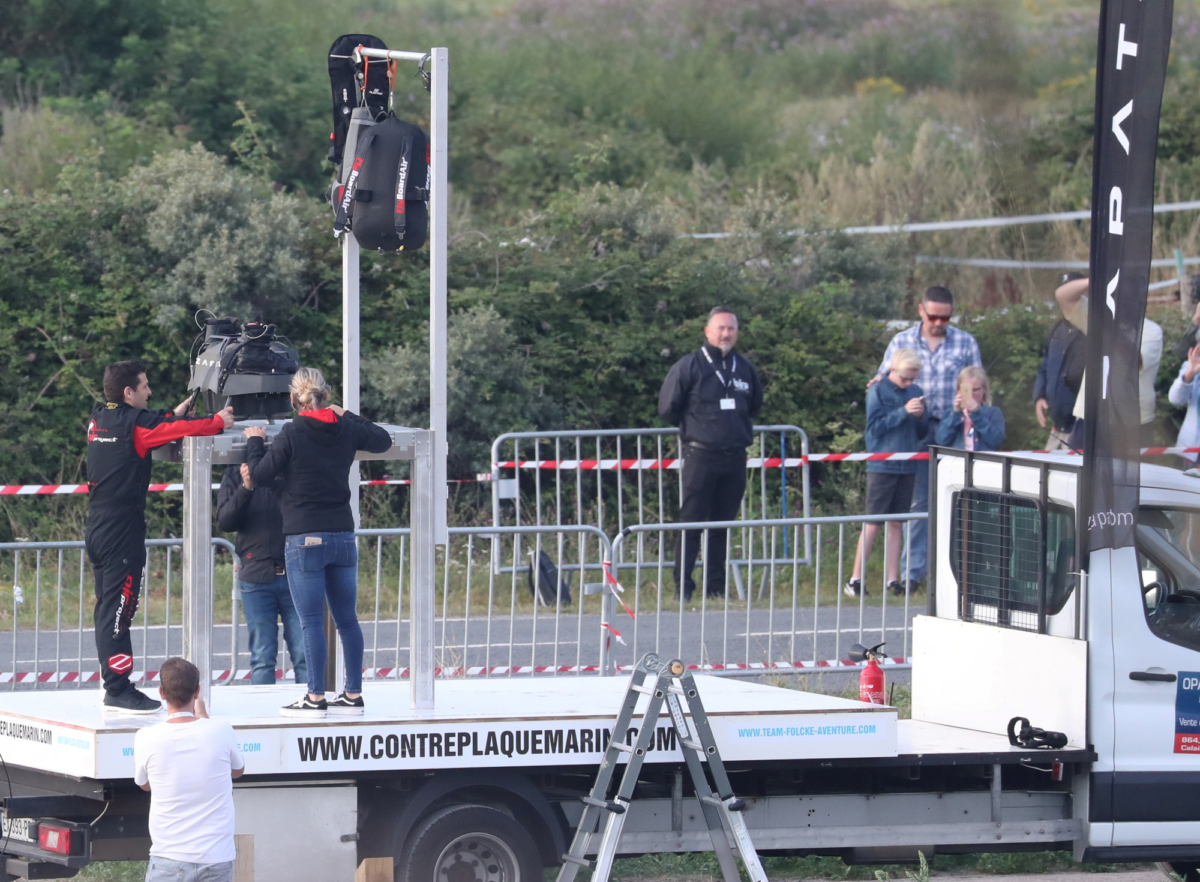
{"points": [[248, 366]]}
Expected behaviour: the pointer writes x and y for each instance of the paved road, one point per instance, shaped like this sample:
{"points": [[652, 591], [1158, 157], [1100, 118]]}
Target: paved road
{"points": [[713, 638]]}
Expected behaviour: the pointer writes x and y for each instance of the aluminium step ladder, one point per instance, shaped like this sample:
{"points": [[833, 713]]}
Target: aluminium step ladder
{"points": [[655, 677]]}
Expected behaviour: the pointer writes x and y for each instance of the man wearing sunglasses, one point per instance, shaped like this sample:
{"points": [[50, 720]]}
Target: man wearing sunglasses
{"points": [[945, 350]]}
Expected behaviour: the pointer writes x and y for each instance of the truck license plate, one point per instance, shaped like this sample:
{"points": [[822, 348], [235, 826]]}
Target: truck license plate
{"points": [[24, 829]]}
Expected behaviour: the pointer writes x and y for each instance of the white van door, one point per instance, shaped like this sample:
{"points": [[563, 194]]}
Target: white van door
{"points": [[1152, 796]]}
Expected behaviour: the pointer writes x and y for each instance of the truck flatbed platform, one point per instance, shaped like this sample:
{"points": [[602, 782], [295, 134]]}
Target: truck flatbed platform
{"points": [[477, 724]]}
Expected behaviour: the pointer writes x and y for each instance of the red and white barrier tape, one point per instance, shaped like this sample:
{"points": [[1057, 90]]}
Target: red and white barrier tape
{"points": [[473, 671], [63, 489], [623, 465], [772, 462]]}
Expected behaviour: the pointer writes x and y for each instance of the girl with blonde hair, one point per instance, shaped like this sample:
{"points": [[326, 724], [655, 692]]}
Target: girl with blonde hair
{"points": [[975, 423]]}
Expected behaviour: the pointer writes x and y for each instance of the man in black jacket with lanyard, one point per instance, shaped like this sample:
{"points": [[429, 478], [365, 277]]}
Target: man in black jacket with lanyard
{"points": [[120, 436], [713, 395]]}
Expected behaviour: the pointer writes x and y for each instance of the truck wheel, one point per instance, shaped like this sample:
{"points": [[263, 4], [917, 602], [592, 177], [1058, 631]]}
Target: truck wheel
{"points": [[1186, 871], [470, 843]]}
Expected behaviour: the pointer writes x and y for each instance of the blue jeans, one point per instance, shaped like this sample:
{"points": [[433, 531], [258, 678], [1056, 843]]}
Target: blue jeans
{"points": [[326, 570], [163, 870], [918, 550], [264, 604]]}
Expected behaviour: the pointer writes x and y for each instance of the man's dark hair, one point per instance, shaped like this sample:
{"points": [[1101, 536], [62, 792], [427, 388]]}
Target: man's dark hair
{"points": [[718, 310], [1070, 277], [178, 679], [938, 294], [119, 375]]}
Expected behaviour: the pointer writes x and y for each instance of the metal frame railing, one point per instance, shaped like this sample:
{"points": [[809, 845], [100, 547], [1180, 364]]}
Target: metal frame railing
{"points": [[577, 486], [769, 595], [85, 652], [454, 653], [791, 617]]}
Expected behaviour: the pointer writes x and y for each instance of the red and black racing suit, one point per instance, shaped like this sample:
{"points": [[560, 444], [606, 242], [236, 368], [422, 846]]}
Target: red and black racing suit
{"points": [[120, 439]]}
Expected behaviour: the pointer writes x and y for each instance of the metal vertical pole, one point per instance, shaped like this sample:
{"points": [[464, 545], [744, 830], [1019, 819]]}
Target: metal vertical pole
{"points": [[424, 554], [439, 197], [197, 559], [335, 662]]}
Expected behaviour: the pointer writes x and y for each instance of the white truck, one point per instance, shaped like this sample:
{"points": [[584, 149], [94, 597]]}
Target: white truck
{"points": [[487, 784]]}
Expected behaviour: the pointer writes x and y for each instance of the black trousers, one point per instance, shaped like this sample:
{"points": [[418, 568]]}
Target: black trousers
{"points": [[118, 556], [713, 485]]}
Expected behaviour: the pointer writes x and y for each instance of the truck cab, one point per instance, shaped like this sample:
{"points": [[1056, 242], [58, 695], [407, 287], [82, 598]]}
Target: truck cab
{"points": [[1107, 653]]}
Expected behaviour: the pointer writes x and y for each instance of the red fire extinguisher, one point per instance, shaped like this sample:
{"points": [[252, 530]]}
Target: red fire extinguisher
{"points": [[871, 680]]}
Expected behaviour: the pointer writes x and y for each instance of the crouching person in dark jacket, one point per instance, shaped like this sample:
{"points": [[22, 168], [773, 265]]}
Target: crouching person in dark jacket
{"points": [[975, 423], [253, 513], [314, 453], [897, 422]]}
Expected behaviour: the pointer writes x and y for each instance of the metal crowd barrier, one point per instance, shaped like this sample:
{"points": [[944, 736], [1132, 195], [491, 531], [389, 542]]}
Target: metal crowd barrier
{"points": [[791, 616], [491, 623], [615, 478], [49, 639]]}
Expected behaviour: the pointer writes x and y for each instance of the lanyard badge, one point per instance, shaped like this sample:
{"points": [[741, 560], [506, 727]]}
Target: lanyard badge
{"points": [[727, 402]]}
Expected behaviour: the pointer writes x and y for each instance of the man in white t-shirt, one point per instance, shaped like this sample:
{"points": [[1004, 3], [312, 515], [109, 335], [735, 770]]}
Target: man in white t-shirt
{"points": [[188, 764]]}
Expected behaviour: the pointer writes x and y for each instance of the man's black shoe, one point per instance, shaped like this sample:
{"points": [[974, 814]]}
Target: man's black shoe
{"points": [[131, 702], [912, 586]]}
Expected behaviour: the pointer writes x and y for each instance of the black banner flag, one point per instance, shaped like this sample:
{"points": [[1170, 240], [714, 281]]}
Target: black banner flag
{"points": [[1131, 64]]}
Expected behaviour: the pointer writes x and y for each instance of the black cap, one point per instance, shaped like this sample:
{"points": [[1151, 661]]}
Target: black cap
{"points": [[1070, 277]]}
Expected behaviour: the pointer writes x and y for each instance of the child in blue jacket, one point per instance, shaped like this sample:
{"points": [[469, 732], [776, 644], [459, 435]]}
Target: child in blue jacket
{"points": [[896, 423], [975, 424]]}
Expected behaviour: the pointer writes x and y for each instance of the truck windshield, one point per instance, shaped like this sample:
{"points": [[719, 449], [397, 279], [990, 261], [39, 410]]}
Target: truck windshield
{"points": [[1168, 542]]}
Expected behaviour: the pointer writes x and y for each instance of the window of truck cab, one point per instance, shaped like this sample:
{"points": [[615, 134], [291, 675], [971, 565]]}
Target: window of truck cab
{"points": [[1005, 551], [1168, 549]]}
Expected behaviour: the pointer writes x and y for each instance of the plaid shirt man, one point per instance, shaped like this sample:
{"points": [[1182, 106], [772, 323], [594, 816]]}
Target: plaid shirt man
{"points": [[939, 367]]}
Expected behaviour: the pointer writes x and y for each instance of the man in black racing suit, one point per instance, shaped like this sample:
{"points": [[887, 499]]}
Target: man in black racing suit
{"points": [[121, 434]]}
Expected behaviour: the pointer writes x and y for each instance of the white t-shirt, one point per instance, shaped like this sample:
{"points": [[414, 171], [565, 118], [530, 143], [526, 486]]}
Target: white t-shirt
{"points": [[188, 767], [1151, 353]]}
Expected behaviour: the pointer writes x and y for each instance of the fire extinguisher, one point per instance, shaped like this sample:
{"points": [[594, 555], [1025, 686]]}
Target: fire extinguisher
{"points": [[871, 680]]}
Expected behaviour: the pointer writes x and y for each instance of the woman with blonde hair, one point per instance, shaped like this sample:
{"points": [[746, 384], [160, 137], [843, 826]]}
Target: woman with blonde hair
{"points": [[314, 453], [975, 423]]}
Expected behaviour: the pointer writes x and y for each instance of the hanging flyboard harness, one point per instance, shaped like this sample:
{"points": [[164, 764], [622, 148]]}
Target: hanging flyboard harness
{"points": [[382, 191]]}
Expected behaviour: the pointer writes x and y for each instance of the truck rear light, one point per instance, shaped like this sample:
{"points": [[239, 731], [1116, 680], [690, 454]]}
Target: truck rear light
{"points": [[1056, 772], [55, 839]]}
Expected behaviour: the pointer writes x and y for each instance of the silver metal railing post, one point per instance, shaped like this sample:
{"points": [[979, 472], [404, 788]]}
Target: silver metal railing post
{"points": [[197, 558], [424, 562]]}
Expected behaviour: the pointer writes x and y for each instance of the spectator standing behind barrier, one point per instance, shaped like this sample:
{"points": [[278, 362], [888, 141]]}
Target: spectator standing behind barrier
{"points": [[314, 453], [1188, 340], [120, 436], [975, 423], [253, 513], [713, 395], [188, 764], [1059, 377], [1072, 298], [1185, 392], [896, 423], [944, 350]]}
